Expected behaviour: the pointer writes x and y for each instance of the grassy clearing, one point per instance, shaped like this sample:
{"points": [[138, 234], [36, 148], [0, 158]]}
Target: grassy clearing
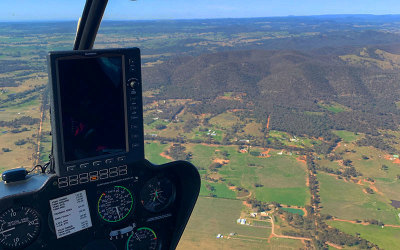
{"points": [[221, 190], [330, 164], [385, 238], [202, 155], [346, 136], [346, 200], [253, 128], [333, 107], [153, 150], [224, 120]]}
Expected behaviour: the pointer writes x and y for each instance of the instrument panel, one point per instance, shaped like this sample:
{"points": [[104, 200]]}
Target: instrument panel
{"points": [[146, 208]]}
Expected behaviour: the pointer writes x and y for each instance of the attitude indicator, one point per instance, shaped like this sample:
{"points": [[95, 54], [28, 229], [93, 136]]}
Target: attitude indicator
{"points": [[157, 194]]}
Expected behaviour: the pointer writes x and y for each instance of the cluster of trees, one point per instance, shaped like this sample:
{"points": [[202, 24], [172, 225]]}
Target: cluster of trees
{"points": [[20, 142], [210, 179], [5, 150], [374, 222], [178, 152], [16, 130], [170, 112], [325, 148], [329, 234], [12, 65], [24, 94], [377, 142], [190, 124], [298, 221], [313, 182], [23, 71], [347, 173], [369, 190], [18, 122], [260, 206], [214, 166]]}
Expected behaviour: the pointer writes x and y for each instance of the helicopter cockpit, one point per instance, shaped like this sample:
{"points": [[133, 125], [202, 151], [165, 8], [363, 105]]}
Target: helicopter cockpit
{"points": [[97, 191]]}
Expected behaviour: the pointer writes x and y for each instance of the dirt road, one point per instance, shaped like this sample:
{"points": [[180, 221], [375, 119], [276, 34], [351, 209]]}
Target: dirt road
{"points": [[273, 234]]}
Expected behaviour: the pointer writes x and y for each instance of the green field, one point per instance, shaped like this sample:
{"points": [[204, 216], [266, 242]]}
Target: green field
{"points": [[333, 107], [153, 150], [218, 216], [288, 196], [282, 176], [346, 200], [386, 180], [221, 190], [346, 136], [386, 238], [202, 155]]}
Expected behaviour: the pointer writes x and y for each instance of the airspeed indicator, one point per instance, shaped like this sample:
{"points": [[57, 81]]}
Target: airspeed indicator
{"points": [[115, 204]]}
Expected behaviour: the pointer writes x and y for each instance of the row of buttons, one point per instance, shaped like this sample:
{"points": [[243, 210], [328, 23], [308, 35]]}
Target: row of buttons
{"points": [[95, 163], [133, 111], [132, 66], [92, 176]]}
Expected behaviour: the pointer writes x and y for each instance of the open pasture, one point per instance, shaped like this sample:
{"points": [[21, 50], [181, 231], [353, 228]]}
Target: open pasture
{"points": [[282, 177], [385, 178], [153, 150], [385, 238], [346, 200]]}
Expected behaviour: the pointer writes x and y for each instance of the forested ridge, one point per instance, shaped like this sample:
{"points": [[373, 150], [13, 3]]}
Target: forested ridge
{"points": [[305, 93]]}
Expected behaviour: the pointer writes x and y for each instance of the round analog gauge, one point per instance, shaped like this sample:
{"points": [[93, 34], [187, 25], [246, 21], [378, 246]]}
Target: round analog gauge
{"points": [[115, 204], [144, 238], [19, 227], [157, 194]]}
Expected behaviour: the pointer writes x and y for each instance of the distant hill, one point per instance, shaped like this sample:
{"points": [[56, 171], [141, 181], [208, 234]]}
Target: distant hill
{"points": [[364, 83]]}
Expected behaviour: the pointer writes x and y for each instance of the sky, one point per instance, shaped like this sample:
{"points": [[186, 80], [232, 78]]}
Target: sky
{"points": [[20, 10]]}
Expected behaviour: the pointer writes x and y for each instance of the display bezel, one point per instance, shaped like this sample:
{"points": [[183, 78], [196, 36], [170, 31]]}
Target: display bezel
{"points": [[77, 57], [132, 98]]}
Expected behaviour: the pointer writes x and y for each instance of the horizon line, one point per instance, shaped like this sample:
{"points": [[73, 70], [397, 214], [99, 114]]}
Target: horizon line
{"points": [[182, 19]]}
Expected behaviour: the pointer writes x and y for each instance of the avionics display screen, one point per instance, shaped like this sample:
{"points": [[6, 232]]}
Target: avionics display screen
{"points": [[92, 107]]}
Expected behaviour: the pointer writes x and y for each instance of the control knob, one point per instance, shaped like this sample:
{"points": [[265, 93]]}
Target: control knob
{"points": [[133, 83]]}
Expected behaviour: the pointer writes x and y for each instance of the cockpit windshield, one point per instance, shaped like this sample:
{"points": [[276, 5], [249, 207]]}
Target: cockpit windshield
{"points": [[289, 110]]}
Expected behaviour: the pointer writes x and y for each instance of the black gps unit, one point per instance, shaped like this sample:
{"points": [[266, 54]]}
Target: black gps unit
{"points": [[96, 111]]}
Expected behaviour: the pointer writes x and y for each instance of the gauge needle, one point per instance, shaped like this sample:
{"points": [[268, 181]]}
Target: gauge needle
{"points": [[5, 231], [119, 216], [156, 194]]}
